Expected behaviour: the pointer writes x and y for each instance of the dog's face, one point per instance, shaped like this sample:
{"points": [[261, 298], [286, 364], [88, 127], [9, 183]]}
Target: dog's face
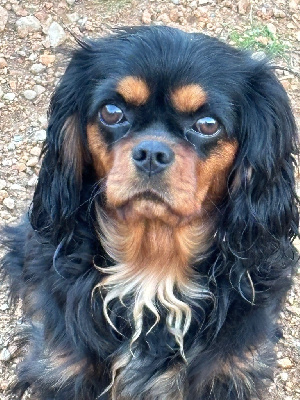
{"points": [[159, 132], [173, 126]]}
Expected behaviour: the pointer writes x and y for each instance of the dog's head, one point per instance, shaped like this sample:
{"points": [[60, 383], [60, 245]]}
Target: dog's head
{"points": [[175, 127]]}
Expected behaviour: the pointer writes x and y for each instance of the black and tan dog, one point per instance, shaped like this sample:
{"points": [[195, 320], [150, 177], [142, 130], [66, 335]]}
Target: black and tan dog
{"points": [[158, 248]]}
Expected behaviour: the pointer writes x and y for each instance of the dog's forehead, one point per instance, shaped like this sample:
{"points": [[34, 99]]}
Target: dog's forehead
{"points": [[185, 98], [162, 62]]}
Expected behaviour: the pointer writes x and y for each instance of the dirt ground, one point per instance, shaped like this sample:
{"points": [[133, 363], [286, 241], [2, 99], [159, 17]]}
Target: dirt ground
{"points": [[31, 33]]}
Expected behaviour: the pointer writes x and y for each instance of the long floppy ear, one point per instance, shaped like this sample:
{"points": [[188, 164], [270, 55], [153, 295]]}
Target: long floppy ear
{"points": [[261, 217], [65, 158]]}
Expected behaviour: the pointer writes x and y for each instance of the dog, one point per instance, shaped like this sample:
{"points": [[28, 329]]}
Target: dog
{"points": [[157, 252]]}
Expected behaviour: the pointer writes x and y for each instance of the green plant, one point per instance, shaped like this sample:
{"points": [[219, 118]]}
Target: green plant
{"points": [[257, 38], [113, 5]]}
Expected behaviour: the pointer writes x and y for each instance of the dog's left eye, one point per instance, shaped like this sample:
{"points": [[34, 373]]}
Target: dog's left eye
{"points": [[208, 126], [111, 114]]}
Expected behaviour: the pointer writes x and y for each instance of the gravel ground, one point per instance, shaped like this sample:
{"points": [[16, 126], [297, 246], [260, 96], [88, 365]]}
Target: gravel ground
{"points": [[31, 35]]}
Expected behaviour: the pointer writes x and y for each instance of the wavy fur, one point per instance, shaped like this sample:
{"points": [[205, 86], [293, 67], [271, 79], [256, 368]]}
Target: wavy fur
{"points": [[151, 309]]}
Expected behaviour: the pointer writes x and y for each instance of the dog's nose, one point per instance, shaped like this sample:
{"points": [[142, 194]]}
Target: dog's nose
{"points": [[152, 156]]}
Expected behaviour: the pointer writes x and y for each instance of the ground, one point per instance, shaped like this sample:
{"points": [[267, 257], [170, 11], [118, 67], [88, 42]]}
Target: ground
{"points": [[31, 62]]}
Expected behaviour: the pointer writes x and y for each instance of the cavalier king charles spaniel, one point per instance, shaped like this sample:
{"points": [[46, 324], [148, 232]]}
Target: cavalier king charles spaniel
{"points": [[157, 251]]}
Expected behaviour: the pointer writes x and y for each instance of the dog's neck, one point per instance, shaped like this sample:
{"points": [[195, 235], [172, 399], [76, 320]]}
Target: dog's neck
{"points": [[153, 262], [152, 247]]}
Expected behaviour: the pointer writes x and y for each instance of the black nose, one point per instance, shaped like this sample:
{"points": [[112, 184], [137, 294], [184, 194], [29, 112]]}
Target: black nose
{"points": [[152, 156]]}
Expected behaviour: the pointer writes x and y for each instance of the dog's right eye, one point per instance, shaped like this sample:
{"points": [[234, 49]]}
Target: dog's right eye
{"points": [[111, 115]]}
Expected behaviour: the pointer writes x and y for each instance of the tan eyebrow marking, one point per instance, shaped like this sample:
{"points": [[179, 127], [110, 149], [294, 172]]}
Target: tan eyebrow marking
{"points": [[188, 98], [134, 90]]}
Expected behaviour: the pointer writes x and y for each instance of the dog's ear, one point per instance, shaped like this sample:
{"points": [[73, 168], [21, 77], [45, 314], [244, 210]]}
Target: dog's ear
{"points": [[58, 192], [261, 215]]}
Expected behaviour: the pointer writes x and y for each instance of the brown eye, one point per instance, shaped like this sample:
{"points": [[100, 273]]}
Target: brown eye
{"points": [[111, 114], [207, 126]]}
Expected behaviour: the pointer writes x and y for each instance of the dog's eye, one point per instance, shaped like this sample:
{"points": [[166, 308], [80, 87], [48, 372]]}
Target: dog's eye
{"points": [[207, 126], [111, 114]]}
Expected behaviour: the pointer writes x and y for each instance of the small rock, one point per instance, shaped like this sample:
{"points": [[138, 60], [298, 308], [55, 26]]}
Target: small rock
{"points": [[284, 376], [285, 363], [56, 34], [17, 188], [37, 68], [279, 13], [5, 355], [18, 138], [7, 163], [74, 17], [1, 93], [2, 184], [46, 25], [193, 4], [43, 120], [32, 181], [263, 40], [293, 4], [89, 26], [40, 135], [9, 96], [13, 84], [4, 385], [82, 21], [272, 28], [176, 2], [26, 25], [32, 57], [202, 2], [70, 2], [3, 194], [29, 94], [35, 151], [146, 17], [39, 89], [243, 6], [47, 59], [21, 167], [49, 5], [19, 11], [173, 15], [9, 203], [164, 18], [3, 62], [32, 162], [4, 307], [3, 18], [298, 36], [11, 146], [42, 16], [290, 25], [294, 310]]}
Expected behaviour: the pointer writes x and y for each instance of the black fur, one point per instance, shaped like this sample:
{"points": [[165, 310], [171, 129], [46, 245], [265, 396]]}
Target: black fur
{"points": [[50, 263]]}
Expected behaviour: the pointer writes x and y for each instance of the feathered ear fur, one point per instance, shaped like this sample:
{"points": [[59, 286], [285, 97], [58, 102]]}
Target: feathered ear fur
{"points": [[66, 159], [261, 217]]}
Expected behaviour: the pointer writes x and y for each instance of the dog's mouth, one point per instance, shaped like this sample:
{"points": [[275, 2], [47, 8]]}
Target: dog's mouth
{"points": [[148, 199], [147, 204], [148, 195]]}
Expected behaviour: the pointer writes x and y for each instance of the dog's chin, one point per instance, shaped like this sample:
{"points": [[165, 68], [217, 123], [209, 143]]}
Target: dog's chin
{"points": [[150, 206]]}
